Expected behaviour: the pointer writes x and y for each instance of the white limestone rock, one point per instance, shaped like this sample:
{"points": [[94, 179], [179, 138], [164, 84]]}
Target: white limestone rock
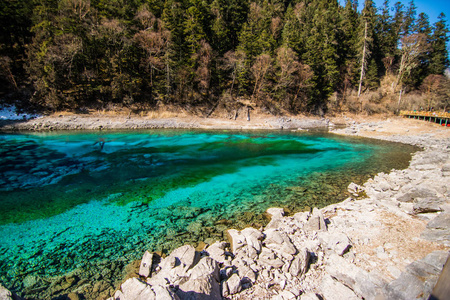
{"points": [[236, 239], [135, 289], [316, 222], [275, 212], [184, 255], [146, 264], [300, 264], [338, 242], [332, 290], [217, 251], [280, 242], [203, 281], [309, 296], [355, 189], [5, 294], [234, 284], [268, 259], [364, 284], [253, 238]]}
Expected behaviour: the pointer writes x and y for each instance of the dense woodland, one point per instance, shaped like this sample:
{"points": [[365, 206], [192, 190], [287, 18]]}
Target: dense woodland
{"points": [[299, 56]]}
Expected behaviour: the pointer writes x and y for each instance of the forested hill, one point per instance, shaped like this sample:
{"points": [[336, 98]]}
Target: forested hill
{"points": [[296, 56]]}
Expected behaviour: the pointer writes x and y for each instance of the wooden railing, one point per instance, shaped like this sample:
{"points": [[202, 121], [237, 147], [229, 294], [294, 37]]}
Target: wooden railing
{"points": [[425, 114], [443, 118]]}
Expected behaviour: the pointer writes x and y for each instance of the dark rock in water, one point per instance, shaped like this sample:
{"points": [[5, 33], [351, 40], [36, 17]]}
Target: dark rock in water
{"points": [[438, 229]]}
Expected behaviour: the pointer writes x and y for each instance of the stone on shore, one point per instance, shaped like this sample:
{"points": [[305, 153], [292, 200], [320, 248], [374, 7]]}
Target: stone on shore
{"points": [[146, 264], [316, 222], [419, 278], [203, 282], [332, 289], [438, 229]]}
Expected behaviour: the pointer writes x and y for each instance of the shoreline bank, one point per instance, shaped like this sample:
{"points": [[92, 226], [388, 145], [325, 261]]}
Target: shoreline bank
{"points": [[268, 280], [105, 122]]}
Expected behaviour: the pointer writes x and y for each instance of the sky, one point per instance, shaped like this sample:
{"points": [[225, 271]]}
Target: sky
{"points": [[431, 7]]}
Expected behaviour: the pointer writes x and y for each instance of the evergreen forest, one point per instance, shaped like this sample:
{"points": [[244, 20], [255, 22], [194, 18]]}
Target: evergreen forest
{"points": [[295, 56]]}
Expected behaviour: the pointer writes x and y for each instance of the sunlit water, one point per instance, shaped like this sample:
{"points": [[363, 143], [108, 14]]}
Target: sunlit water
{"points": [[70, 199]]}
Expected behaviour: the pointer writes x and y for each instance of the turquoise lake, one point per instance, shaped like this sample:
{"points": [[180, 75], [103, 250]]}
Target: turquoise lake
{"points": [[69, 200]]}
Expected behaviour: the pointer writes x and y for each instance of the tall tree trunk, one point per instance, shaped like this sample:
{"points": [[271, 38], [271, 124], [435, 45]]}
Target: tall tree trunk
{"points": [[363, 61]]}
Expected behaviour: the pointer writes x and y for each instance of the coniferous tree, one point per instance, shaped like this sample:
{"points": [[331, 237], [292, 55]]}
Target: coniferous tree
{"points": [[409, 19], [386, 40], [348, 49], [439, 54]]}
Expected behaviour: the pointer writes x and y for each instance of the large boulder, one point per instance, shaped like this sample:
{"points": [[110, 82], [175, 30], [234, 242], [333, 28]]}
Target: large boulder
{"points": [[419, 278], [231, 286], [185, 256], [361, 282], [280, 242], [203, 281], [134, 289], [300, 264], [316, 222], [253, 238], [338, 242], [428, 205], [217, 251], [332, 289], [236, 239], [438, 229], [146, 264], [416, 193]]}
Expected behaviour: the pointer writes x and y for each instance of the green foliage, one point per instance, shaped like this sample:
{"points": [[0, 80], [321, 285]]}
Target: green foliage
{"points": [[280, 54], [439, 56]]}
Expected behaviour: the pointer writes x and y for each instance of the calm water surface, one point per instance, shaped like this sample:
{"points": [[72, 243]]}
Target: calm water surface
{"points": [[70, 199]]}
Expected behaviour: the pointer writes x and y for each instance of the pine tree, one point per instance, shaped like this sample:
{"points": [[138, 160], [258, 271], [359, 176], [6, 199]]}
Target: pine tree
{"points": [[409, 19], [439, 54]]}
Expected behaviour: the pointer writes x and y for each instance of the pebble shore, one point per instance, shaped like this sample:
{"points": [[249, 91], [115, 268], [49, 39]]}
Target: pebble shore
{"points": [[389, 240]]}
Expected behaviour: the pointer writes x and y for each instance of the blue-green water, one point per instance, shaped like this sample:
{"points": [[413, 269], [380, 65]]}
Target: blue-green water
{"points": [[70, 199]]}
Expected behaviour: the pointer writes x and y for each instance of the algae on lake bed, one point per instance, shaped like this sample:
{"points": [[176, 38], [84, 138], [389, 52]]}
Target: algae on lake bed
{"points": [[67, 202]]}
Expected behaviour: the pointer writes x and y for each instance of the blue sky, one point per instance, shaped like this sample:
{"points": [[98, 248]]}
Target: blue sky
{"points": [[431, 7]]}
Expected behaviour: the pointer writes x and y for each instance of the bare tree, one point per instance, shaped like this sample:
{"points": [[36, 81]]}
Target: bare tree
{"points": [[435, 88], [260, 68], [234, 61], [154, 39], [412, 46]]}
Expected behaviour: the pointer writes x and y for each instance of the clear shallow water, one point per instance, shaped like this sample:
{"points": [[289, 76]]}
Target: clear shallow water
{"points": [[70, 199]]}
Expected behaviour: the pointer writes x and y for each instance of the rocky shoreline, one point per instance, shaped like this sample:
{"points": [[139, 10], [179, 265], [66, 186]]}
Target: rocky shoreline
{"points": [[102, 122], [389, 240]]}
